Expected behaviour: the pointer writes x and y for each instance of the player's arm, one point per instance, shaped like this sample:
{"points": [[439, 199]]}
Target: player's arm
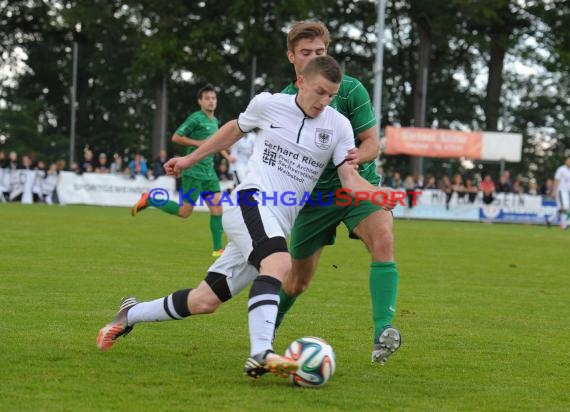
{"points": [[359, 187], [369, 148], [186, 141], [226, 155], [227, 135]]}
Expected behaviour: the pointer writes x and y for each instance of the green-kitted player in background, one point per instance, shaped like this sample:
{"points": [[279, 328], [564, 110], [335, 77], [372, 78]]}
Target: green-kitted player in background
{"points": [[198, 127], [315, 226]]}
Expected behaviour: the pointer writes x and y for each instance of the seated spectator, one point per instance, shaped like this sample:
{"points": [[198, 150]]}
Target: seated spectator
{"points": [[431, 183], [504, 186], [12, 161], [117, 165], [487, 186], [470, 190], [446, 187], [458, 186], [102, 165], [518, 187], [396, 181], [533, 187], [420, 182], [546, 189], [87, 165], [138, 166]]}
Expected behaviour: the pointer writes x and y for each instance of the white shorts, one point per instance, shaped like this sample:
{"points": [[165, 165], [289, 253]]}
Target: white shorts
{"points": [[246, 226], [563, 200]]}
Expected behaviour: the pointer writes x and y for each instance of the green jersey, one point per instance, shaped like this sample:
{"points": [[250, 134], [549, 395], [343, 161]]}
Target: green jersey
{"points": [[353, 101], [199, 126]]}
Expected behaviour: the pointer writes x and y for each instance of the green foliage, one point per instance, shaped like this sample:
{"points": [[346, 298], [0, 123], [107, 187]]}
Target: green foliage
{"points": [[127, 49]]}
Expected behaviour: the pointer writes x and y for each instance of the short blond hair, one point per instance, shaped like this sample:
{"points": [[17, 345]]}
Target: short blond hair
{"points": [[307, 30]]}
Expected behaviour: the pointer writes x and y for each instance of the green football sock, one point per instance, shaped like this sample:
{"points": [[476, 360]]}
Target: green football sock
{"points": [[285, 303], [384, 279], [169, 207], [217, 231]]}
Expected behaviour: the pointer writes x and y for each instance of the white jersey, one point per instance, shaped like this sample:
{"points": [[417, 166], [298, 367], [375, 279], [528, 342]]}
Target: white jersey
{"points": [[243, 149], [291, 150], [563, 176]]}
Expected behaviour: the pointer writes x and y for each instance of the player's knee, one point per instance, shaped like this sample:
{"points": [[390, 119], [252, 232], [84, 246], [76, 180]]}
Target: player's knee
{"points": [[204, 307], [381, 245], [184, 213], [295, 283]]}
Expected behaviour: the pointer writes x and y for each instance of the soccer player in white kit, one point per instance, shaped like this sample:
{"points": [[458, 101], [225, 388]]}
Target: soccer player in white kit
{"points": [[297, 135], [240, 153], [562, 190]]}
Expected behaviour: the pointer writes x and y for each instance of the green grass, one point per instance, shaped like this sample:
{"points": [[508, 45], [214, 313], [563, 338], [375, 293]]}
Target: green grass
{"points": [[483, 310]]}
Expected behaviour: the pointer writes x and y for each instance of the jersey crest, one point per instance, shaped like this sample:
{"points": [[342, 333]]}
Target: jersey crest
{"points": [[323, 138]]}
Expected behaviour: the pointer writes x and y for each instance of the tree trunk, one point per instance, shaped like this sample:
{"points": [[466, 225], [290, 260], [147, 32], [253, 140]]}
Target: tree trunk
{"points": [[495, 81]]}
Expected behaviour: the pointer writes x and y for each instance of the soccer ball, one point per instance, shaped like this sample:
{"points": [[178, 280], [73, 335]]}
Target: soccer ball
{"points": [[316, 358]]}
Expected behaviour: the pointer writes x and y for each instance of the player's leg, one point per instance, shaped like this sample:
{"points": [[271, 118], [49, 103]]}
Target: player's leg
{"points": [[216, 227], [172, 207], [314, 228], [296, 282], [175, 306], [563, 203], [262, 311], [225, 278], [258, 234], [375, 230]]}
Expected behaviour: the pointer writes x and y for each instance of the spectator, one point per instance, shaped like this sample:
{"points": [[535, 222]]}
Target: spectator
{"points": [[518, 187], [470, 190], [157, 165], [458, 186], [487, 186], [533, 187], [12, 162], [60, 165], [117, 165], [431, 183], [138, 166], [396, 181], [446, 187], [87, 164], [420, 182], [26, 163], [102, 165], [547, 188], [504, 185]]}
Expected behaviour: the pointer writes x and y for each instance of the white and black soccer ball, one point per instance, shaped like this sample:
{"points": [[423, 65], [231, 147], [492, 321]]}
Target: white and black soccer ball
{"points": [[316, 359]]}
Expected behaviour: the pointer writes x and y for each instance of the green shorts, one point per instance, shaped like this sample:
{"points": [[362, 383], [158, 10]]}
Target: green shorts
{"points": [[315, 226], [198, 186]]}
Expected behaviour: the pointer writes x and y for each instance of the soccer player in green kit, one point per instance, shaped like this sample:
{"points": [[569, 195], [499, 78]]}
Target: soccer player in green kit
{"points": [[198, 127], [315, 226]]}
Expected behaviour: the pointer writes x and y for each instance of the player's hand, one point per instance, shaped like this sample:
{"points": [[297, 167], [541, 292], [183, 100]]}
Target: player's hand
{"points": [[390, 198], [352, 157], [169, 166], [174, 166]]}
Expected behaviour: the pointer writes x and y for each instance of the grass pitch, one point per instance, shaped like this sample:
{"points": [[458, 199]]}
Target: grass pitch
{"points": [[483, 311]]}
